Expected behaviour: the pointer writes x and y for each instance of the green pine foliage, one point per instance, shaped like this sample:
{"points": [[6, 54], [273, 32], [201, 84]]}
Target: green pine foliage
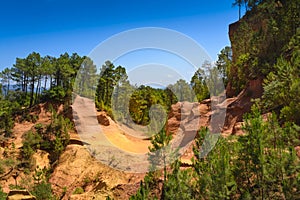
{"points": [[159, 158], [178, 182], [7, 116], [2, 194], [214, 173], [123, 101], [42, 191], [44, 78], [199, 86], [224, 63], [86, 79], [142, 100], [282, 85], [109, 78]]}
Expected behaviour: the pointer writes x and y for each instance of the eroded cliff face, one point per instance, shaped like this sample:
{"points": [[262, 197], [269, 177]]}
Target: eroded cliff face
{"points": [[78, 171], [241, 33], [240, 105], [250, 42]]}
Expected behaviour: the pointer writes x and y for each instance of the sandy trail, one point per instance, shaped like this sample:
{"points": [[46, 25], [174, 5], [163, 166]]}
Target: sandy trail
{"points": [[123, 141]]}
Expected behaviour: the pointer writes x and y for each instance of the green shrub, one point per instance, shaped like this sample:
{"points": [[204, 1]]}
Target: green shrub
{"points": [[1, 169], [2, 194], [78, 190], [31, 142], [57, 93], [42, 191]]}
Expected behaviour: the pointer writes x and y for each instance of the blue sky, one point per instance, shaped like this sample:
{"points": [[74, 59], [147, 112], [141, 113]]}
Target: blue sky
{"points": [[52, 27]]}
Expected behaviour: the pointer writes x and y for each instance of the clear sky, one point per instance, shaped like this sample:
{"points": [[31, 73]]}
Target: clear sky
{"points": [[52, 27]]}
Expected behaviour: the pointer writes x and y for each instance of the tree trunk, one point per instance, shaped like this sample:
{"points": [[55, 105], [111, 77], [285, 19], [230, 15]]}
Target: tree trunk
{"points": [[37, 90], [51, 82], [7, 92], [31, 93], [25, 84]]}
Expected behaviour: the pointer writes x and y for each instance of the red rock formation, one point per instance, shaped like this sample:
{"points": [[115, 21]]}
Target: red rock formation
{"points": [[102, 119], [242, 104]]}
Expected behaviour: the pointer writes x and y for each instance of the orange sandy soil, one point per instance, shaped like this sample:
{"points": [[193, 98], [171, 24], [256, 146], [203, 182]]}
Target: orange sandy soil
{"points": [[123, 141]]}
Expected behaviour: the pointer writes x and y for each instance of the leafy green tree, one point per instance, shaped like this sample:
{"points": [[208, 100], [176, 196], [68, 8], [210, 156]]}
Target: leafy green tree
{"points": [[33, 73], [183, 91], [261, 43], [199, 86], [169, 97], [146, 188], [109, 78], [178, 184], [33, 65], [56, 94], [41, 188], [48, 71], [58, 128], [252, 159], [62, 70], [2, 194], [249, 4], [161, 154], [140, 103], [6, 77], [52, 138], [20, 75], [159, 157], [224, 63], [42, 191], [64, 74], [31, 142], [239, 4], [214, 172], [120, 100], [281, 87], [148, 106], [7, 116], [214, 81], [86, 78], [266, 159]]}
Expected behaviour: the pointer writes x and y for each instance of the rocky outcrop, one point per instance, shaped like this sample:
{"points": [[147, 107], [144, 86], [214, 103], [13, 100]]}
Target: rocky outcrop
{"points": [[184, 121], [240, 105], [20, 195], [188, 117], [125, 191], [103, 119], [77, 168], [183, 113], [41, 159]]}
